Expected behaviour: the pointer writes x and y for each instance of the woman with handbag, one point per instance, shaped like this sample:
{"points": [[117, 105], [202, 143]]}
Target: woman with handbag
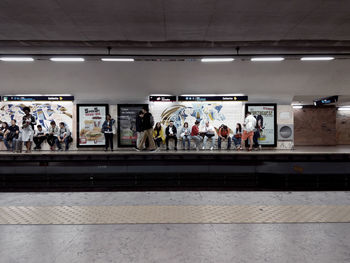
{"points": [[108, 128]]}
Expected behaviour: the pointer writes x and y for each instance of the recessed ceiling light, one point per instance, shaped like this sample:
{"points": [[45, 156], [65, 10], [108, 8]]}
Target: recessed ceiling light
{"points": [[118, 59], [267, 59], [297, 106], [217, 59], [344, 108], [316, 58], [67, 59], [17, 59]]}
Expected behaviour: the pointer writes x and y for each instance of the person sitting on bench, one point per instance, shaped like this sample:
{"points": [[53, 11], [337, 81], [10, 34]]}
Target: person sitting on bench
{"points": [[171, 133], [11, 136], [64, 136], [39, 137], [224, 134], [209, 133]]}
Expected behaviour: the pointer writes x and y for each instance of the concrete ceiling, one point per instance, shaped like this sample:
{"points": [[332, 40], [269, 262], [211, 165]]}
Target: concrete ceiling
{"points": [[67, 22]]}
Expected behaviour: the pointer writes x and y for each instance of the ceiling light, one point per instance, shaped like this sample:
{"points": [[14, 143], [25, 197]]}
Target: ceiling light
{"points": [[267, 59], [17, 59], [118, 59], [316, 58], [297, 106], [344, 108], [58, 59], [217, 59]]}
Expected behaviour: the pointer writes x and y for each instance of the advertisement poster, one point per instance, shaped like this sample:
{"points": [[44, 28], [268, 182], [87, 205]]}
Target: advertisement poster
{"points": [[127, 124], [90, 121], [216, 112], [267, 116]]}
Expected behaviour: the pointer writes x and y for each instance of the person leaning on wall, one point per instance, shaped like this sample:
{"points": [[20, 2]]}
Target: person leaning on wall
{"points": [[108, 128]]}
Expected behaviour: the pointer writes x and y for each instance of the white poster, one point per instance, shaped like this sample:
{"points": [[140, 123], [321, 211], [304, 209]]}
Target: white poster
{"points": [[265, 115], [90, 121]]}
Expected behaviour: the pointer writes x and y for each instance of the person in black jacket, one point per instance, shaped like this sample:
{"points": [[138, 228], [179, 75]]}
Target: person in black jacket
{"points": [[147, 127], [171, 134]]}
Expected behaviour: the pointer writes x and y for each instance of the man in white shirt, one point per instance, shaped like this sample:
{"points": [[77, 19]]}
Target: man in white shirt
{"points": [[209, 132], [248, 130], [39, 137]]}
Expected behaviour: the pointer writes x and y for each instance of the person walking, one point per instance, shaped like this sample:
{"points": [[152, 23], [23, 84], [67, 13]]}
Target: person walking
{"points": [[147, 124], [139, 131]]}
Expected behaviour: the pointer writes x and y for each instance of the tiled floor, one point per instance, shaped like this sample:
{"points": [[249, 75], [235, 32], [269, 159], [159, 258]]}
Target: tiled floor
{"points": [[317, 242]]}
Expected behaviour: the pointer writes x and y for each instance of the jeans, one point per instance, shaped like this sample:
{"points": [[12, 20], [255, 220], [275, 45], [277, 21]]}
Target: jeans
{"points": [[158, 141], [255, 139], [52, 140], [13, 146], [170, 138], [236, 141], [186, 138], [109, 140], [206, 139], [197, 139], [66, 142], [228, 138]]}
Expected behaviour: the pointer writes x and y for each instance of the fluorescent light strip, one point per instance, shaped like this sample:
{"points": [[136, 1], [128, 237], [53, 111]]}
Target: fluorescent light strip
{"points": [[316, 58], [118, 59], [267, 59], [217, 59], [344, 108], [67, 59], [17, 59], [297, 106]]}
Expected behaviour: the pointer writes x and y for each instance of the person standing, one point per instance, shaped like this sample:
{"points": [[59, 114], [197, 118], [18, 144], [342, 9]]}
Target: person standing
{"points": [[186, 136], [108, 128], [248, 130], [171, 134], [209, 132], [139, 131], [3, 130], [147, 124], [12, 136], [39, 137], [28, 123], [158, 134], [224, 134], [195, 134]]}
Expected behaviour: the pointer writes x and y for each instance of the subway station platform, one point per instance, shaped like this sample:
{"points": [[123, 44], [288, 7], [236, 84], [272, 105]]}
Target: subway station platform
{"points": [[305, 168]]}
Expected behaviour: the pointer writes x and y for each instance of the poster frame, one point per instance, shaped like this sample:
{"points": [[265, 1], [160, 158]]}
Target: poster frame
{"points": [[141, 105], [78, 124], [274, 105]]}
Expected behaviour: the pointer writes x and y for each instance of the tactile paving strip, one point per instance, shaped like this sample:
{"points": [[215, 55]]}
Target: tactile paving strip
{"points": [[172, 214]]}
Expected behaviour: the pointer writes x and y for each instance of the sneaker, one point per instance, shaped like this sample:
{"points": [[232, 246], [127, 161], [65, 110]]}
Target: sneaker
{"points": [[137, 149], [260, 147], [154, 150], [211, 148], [167, 149]]}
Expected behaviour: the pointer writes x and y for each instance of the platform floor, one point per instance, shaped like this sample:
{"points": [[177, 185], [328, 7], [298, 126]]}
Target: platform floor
{"points": [[344, 149], [224, 243]]}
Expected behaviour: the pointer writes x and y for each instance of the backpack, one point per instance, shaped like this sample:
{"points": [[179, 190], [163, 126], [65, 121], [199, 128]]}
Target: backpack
{"points": [[151, 120]]}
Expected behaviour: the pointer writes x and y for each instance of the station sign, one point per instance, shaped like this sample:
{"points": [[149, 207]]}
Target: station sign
{"points": [[212, 98], [37, 98]]}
